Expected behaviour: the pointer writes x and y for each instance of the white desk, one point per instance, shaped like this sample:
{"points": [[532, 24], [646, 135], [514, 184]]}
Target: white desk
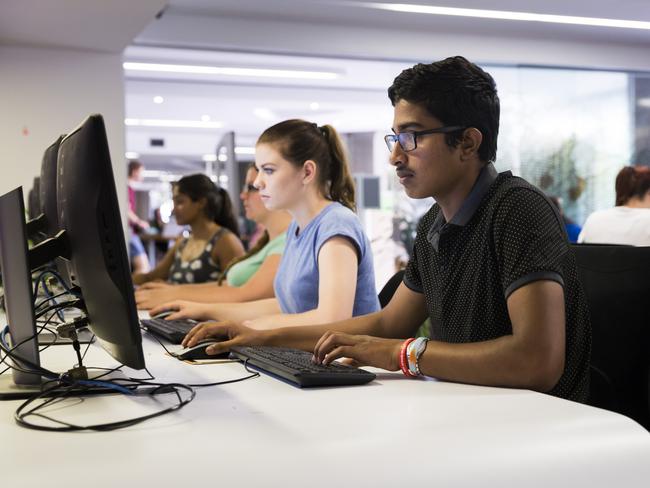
{"points": [[263, 432]]}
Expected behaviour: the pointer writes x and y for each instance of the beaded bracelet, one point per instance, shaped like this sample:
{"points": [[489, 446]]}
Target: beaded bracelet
{"points": [[413, 353], [403, 361]]}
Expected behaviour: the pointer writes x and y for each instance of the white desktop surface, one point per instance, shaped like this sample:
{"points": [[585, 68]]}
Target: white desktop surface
{"points": [[263, 432]]}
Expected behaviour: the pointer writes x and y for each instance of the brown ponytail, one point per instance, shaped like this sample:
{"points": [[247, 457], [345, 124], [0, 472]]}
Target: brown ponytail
{"points": [[341, 184], [261, 242], [298, 141]]}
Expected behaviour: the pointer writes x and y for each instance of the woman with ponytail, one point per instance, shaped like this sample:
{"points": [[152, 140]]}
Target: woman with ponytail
{"points": [[629, 221], [247, 277], [214, 239], [326, 272]]}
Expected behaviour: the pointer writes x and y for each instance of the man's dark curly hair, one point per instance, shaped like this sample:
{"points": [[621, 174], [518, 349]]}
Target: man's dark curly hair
{"points": [[456, 92]]}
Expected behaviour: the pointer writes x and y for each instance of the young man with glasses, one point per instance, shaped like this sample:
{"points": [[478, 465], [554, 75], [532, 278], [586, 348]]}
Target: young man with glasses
{"points": [[491, 266]]}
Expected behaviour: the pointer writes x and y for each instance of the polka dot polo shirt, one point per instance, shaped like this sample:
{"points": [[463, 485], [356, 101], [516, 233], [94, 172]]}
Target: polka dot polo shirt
{"points": [[505, 235]]}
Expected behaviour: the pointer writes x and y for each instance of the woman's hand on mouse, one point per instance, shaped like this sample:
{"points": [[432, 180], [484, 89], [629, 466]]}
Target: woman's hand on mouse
{"points": [[183, 309], [230, 333]]}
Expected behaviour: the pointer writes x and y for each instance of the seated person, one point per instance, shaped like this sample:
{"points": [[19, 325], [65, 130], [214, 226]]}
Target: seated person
{"points": [[326, 272], [629, 221], [248, 277], [213, 241], [137, 254], [572, 229], [491, 265]]}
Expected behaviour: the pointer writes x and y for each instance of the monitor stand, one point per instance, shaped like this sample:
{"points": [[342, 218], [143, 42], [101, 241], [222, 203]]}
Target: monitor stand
{"points": [[10, 391], [51, 338]]}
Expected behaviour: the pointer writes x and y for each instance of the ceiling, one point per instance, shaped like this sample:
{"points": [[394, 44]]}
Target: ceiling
{"points": [[364, 47]]}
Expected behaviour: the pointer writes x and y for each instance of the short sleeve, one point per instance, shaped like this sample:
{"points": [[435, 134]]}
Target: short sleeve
{"points": [[276, 246], [340, 224], [529, 239]]}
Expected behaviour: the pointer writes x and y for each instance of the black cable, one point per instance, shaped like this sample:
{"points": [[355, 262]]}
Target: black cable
{"points": [[65, 387], [158, 389], [158, 341], [254, 374]]}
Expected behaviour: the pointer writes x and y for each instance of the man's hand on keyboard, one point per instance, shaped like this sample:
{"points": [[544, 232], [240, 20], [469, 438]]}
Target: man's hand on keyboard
{"points": [[231, 333], [365, 350], [184, 309]]}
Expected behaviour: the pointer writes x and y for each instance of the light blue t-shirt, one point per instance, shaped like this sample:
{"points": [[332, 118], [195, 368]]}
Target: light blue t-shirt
{"points": [[296, 282]]}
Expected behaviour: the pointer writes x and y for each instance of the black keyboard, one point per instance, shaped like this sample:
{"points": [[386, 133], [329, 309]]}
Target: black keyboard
{"points": [[296, 366], [172, 330]]}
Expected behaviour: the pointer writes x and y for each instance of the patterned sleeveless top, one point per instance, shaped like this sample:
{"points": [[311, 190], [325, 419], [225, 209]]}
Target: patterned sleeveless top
{"points": [[200, 269]]}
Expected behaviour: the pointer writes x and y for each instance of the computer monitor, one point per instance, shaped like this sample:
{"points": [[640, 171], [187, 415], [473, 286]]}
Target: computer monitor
{"points": [[43, 214], [33, 199], [18, 298], [90, 216], [91, 239], [45, 222], [47, 188]]}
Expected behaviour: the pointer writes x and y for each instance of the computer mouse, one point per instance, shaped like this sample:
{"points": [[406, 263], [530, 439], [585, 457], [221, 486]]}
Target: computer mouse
{"points": [[162, 314], [198, 352]]}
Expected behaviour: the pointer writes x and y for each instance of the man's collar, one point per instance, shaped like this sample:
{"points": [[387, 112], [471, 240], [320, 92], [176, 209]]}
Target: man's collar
{"points": [[471, 203]]}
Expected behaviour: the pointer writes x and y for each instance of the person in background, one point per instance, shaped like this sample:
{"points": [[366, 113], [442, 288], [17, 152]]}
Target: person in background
{"points": [[629, 221], [326, 272], [491, 264], [248, 277], [139, 259], [213, 241], [572, 229]]}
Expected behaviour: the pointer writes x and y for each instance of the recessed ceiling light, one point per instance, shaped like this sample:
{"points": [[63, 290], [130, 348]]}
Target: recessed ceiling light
{"points": [[264, 114], [131, 155], [189, 124], [158, 99], [205, 118], [209, 158], [509, 15], [230, 71], [643, 102], [314, 105]]}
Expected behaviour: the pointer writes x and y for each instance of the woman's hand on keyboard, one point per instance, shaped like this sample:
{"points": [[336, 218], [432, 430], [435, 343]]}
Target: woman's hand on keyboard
{"points": [[183, 309], [364, 350], [149, 298]]}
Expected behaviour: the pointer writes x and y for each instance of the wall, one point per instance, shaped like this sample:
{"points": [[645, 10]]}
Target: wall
{"points": [[45, 92]]}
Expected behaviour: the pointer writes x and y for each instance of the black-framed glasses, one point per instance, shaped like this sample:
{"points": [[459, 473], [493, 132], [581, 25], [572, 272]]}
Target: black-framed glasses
{"points": [[249, 188], [409, 140]]}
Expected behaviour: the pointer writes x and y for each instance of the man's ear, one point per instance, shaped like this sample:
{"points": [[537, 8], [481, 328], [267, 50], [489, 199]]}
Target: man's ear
{"points": [[309, 171], [470, 143]]}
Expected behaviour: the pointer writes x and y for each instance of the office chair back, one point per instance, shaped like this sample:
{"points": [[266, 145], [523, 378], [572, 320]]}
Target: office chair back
{"points": [[616, 281], [390, 287]]}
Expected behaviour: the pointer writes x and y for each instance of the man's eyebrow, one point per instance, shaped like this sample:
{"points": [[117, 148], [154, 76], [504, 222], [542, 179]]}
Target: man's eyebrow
{"points": [[408, 125]]}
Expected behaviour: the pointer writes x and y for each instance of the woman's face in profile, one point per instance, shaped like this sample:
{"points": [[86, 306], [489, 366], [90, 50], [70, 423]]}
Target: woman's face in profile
{"points": [[250, 197], [279, 182], [186, 210]]}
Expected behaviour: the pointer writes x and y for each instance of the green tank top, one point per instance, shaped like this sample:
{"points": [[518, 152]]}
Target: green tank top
{"points": [[241, 272]]}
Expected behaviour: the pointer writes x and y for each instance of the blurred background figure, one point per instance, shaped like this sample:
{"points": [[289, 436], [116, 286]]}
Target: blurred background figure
{"points": [[214, 238], [629, 221], [139, 260], [572, 229]]}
